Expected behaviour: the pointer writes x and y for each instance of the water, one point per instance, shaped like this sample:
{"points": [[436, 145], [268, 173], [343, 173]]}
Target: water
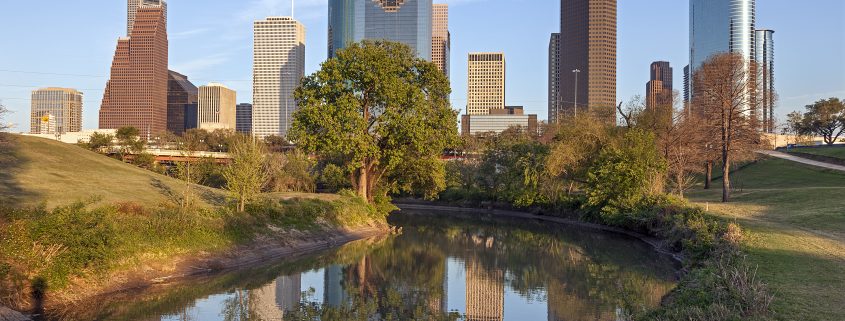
{"points": [[438, 268]]}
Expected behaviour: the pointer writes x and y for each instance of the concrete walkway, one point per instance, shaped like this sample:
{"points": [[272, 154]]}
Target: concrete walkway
{"points": [[802, 160]]}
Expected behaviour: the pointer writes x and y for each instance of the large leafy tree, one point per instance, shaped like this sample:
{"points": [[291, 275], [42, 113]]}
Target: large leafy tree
{"points": [[824, 118], [375, 107]]}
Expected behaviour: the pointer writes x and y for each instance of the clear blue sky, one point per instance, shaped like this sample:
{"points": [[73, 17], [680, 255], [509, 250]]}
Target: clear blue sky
{"points": [[211, 40]]}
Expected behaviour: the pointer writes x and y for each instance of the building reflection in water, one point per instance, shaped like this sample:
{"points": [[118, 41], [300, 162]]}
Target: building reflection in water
{"points": [[271, 301]]}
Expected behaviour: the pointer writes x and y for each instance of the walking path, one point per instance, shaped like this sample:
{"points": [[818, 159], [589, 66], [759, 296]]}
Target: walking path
{"points": [[802, 160]]}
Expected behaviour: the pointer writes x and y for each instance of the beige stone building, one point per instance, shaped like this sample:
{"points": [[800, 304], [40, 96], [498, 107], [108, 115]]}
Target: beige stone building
{"points": [[216, 107], [441, 41], [56, 110], [485, 82], [278, 66]]}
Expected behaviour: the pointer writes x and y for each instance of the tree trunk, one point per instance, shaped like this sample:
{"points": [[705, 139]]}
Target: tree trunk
{"points": [[708, 170], [363, 183], [726, 177], [242, 204]]}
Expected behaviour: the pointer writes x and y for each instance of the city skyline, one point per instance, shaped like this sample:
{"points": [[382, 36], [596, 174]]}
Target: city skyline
{"points": [[529, 66]]}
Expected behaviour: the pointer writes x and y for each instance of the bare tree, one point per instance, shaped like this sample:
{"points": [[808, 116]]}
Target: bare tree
{"points": [[246, 174], [3, 112], [723, 100]]}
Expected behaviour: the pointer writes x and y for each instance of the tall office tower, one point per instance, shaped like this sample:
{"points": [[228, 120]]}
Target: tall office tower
{"points": [[180, 93], [765, 62], [278, 66], [588, 54], [441, 40], [485, 82], [243, 118], [717, 27], [64, 105], [485, 293], [659, 88], [132, 9], [136, 93], [405, 21], [555, 105], [216, 107]]}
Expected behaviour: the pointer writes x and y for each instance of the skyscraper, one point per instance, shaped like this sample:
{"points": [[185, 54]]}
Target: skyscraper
{"points": [[588, 54], [132, 8], [180, 93], [216, 107], [61, 107], [765, 58], [405, 21], [717, 27], [555, 106], [441, 40], [278, 67], [243, 118], [485, 82], [659, 88], [136, 93]]}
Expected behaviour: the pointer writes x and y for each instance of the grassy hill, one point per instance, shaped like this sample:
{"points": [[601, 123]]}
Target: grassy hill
{"points": [[795, 218], [835, 152], [37, 170]]}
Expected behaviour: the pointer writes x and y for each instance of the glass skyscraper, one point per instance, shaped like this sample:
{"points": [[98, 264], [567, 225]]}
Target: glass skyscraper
{"points": [[765, 58], [405, 21]]}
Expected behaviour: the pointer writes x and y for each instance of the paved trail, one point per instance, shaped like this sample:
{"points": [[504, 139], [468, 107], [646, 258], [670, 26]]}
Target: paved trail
{"points": [[802, 160]]}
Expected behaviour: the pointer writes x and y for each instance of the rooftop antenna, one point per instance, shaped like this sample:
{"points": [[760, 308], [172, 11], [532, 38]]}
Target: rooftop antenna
{"points": [[291, 9]]}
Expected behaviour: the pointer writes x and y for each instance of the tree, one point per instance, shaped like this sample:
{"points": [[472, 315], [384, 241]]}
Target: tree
{"points": [[824, 118], [190, 142], [290, 172], [130, 143], [375, 106], [246, 174], [100, 142], [724, 103], [3, 112]]}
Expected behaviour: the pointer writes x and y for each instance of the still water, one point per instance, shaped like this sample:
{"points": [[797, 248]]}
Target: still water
{"points": [[438, 268]]}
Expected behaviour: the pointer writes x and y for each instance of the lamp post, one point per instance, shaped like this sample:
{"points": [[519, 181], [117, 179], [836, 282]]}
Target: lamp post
{"points": [[576, 72]]}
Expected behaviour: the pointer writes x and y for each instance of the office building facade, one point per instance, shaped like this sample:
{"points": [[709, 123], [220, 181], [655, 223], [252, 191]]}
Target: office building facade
{"points": [[555, 105], [136, 92], [441, 39], [485, 82], [180, 93], [243, 118], [278, 67], [587, 73], [405, 21], [55, 111], [498, 121], [132, 9], [660, 86], [216, 107], [765, 64]]}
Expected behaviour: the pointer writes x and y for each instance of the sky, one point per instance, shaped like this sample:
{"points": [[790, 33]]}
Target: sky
{"points": [[50, 43]]}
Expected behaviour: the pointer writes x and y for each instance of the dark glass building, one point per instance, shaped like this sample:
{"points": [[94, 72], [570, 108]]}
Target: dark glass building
{"points": [[659, 88], [555, 107], [405, 21], [243, 118], [180, 92]]}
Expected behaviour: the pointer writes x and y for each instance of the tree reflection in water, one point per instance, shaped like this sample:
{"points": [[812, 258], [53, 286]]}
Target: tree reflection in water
{"points": [[580, 275]]}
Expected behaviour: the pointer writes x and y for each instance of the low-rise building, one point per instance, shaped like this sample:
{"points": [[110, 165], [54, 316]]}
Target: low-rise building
{"points": [[498, 121]]}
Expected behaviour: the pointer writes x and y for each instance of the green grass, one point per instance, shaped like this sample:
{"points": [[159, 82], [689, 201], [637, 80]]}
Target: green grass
{"points": [[795, 218], [835, 152], [41, 171]]}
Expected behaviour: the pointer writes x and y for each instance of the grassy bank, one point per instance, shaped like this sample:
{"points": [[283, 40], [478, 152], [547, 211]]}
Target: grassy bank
{"points": [[794, 218], [835, 152], [72, 221]]}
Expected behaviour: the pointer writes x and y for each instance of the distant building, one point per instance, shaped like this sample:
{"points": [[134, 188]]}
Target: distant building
{"points": [[765, 58], [555, 104], [719, 27], [243, 118], [659, 89], [216, 107], [405, 21], [498, 121], [485, 82], [55, 110], [588, 45], [441, 40], [180, 92], [82, 136], [132, 7], [278, 67], [136, 93]]}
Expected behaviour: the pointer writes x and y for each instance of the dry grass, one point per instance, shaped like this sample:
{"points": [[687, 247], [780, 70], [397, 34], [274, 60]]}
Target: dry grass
{"points": [[794, 216]]}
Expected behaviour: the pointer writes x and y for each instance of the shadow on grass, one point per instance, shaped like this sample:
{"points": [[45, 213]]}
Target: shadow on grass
{"points": [[165, 190], [11, 162]]}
